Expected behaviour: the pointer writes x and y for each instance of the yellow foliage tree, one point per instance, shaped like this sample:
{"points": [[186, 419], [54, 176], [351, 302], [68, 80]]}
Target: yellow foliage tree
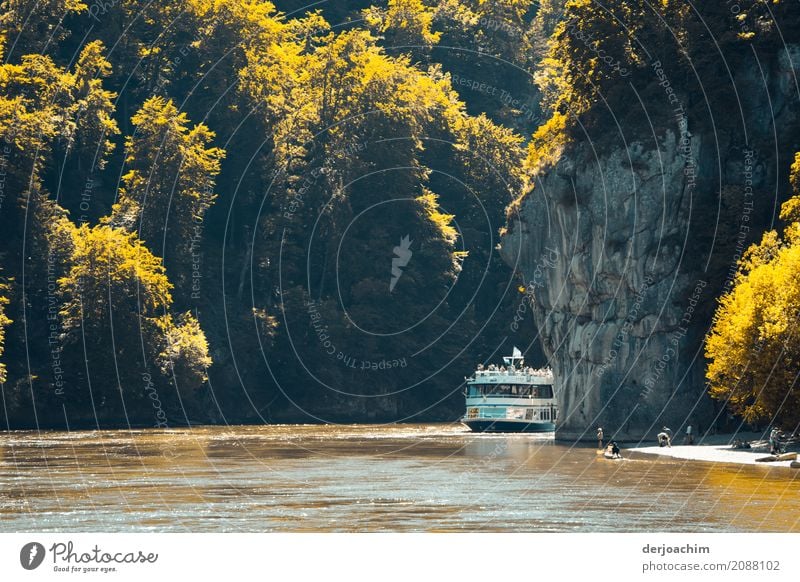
{"points": [[115, 285], [406, 23], [43, 105], [112, 272], [4, 321], [171, 175], [753, 346]]}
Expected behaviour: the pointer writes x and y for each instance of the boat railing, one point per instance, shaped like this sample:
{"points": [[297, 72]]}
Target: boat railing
{"points": [[528, 372], [533, 400]]}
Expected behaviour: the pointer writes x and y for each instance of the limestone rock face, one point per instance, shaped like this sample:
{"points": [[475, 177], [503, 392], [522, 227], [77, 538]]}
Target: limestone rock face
{"points": [[625, 246]]}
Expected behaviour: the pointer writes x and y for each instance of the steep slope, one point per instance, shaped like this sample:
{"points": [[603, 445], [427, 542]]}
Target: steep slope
{"points": [[669, 166]]}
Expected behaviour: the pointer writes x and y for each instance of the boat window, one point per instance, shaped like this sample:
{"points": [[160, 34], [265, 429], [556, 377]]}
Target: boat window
{"points": [[511, 391]]}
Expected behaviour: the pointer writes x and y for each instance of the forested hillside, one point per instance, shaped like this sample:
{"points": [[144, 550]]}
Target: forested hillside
{"points": [[202, 200], [248, 211]]}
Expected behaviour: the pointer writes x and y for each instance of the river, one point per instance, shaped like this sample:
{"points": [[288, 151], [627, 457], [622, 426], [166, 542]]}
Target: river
{"points": [[435, 477]]}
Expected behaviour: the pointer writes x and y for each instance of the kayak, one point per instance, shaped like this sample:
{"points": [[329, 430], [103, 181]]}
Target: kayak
{"points": [[787, 457], [795, 464]]}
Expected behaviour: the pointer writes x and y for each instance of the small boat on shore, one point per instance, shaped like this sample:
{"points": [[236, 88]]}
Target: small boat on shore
{"points": [[776, 458], [767, 459]]}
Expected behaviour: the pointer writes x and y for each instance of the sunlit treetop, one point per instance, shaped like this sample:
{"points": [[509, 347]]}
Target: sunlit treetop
{"points": [[42, 105], [171, 173], [406, 23]]}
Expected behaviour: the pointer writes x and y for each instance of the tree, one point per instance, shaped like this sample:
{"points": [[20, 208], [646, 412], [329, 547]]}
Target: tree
{"points": [[406, 23], [754, 343], [113, 287], [170, 181], [183, 350], [4, 321], [93, 107], [111, 272], [47, 112], [490, 158], [34, 26]]}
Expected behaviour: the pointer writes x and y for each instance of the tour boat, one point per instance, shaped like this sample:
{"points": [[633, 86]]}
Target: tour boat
{"points": [[511, 398]]}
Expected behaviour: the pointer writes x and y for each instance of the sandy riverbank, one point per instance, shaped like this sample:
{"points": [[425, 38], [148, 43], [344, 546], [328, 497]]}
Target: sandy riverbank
{"points": [[716, 449]]}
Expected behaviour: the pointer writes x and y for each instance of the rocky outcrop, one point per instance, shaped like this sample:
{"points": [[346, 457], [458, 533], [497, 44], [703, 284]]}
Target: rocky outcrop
{"points": [[625, 244]]}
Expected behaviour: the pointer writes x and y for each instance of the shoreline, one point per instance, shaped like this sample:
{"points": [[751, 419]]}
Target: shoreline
{"points": [[716, 449]]}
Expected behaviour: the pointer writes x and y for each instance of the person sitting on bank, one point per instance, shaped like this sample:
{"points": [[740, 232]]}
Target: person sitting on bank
{"points": [[664, 440], [615, 449]]}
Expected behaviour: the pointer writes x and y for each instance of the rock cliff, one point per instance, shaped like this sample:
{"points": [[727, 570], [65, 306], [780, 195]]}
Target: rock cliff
{"points": [[628, 239]]}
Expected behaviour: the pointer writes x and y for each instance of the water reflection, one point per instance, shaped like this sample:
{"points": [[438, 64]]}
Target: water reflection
{"points": [[364, 478]]}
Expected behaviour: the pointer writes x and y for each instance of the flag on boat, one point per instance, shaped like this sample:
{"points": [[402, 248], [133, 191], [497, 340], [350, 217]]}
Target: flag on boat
{"points": [[516, 353]]}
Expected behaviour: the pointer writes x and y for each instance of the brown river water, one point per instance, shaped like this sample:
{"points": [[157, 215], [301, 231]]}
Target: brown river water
{"points": [[435, 477]]}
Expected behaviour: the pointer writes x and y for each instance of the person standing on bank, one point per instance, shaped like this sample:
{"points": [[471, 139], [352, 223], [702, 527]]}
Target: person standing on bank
{"points": [[599, 438], [775, 441], [689, 437]]}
